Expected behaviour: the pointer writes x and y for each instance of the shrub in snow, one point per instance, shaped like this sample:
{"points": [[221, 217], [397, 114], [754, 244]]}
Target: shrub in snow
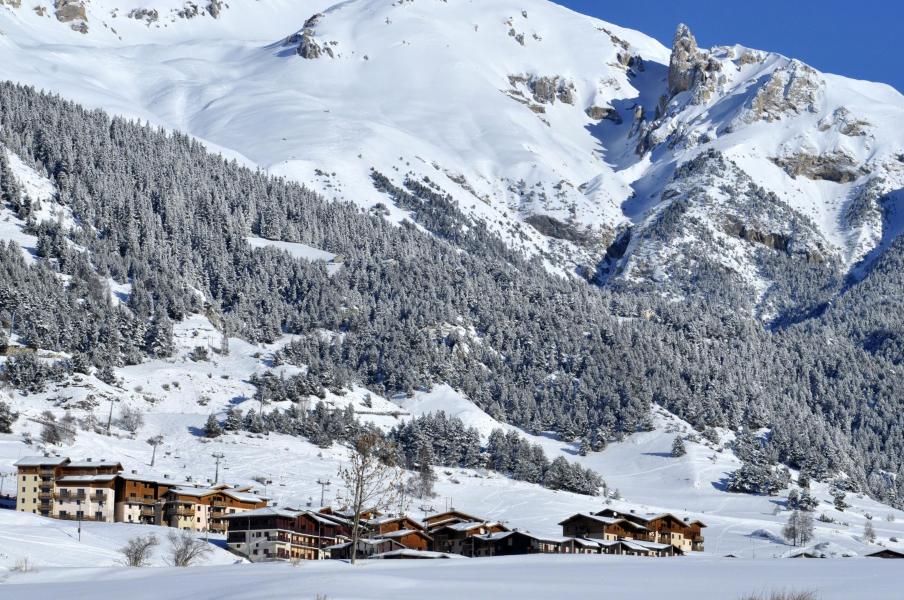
{"points": [[185, 549], [137, 551]]}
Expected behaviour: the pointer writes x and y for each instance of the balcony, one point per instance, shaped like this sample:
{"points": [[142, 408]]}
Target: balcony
{"points": [[220, 527], [180, 512], [46, 496], [65, 496], [148, 511], [47, 473]]}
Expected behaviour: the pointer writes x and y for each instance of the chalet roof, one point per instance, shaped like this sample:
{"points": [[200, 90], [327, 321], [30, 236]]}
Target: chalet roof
{"points": [[652, 545], [885, 552], [636, 546], [586, 542], [391, 519], [451, 514], [89, 464], [326, 519], [366, 542], [41, 461], [243, 496], [193, 491], [492, 537], [106, 478], [501, 535], [605, 520], [469, 525], [697, 522], [402, 533], [267, 511], [159, 479], [407, 553]]}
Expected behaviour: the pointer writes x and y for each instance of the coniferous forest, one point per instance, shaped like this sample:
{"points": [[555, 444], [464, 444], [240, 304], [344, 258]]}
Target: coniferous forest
{"points": [[436, 300]]}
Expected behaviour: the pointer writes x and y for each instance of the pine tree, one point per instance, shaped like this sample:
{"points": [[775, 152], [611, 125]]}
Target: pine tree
{"points": [[233, 419], [7, 417], [212, 428], [838, 499], [678, 448]]}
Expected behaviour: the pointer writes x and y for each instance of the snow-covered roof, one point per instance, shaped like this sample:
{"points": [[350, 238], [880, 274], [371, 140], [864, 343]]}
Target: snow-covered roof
{"points": [[400, 533], [106, 478], [193, 491], [652, 545], [407, 553], [636, 546], [40, 461], [490, 537], [90, 464], [159, 479], [243, 496], [603, 520], [267, 511], [469, 525]]}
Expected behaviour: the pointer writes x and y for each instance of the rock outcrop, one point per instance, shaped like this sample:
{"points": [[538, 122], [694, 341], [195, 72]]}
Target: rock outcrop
{"points": [[691, 69], [72, 12], [791, 90], [837, 166], [307, 45]]}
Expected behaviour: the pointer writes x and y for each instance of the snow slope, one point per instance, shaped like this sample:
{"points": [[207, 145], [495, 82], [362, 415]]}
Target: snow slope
{"points": [[488, 99], [54, 545]]}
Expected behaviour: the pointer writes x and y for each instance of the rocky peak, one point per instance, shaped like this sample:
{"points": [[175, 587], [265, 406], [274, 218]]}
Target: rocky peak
{"points": [[684, 61]]}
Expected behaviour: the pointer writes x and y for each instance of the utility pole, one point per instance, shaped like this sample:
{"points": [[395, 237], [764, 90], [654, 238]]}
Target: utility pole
{"points": [[110, 417], [323, 485], [218, 456]]}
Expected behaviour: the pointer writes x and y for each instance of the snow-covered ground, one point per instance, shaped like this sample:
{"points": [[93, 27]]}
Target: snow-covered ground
{"points": [[523, 578], [54, 546]]}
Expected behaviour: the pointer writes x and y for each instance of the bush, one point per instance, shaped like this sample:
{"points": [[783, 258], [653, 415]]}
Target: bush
{"points": [[130, 419], [185, 549], [137, 552], [805, 595]]}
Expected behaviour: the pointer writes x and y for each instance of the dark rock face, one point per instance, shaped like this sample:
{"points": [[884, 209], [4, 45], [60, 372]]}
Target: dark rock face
{"points": [[552, 227], [600, 113], [70, 10], [773, 241], [684, 60], [308, 47], [836, 167]]}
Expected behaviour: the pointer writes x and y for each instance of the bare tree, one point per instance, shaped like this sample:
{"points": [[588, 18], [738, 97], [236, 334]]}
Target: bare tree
{"points": [[130, 419], [185, 549], [799, 528], [137, 552], [371, 481], [869, 532], [154, 441]]}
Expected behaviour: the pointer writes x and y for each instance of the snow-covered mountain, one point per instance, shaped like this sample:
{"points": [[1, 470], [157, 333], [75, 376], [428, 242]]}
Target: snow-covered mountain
{"points": [[560, 131]]}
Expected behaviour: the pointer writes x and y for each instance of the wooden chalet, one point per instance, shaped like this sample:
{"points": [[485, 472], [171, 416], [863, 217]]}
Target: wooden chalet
{"points": [[663, 528], [389, 524], [448, 517], [367, 548], [508, 543], [600, 527], [207, 509], [886, 553], [456, 537], [284, 534], [141, 498], [414, 555]]}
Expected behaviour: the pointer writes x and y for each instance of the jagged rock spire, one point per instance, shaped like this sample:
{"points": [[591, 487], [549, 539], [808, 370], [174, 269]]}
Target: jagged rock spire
{"points": [[684, 60]]}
